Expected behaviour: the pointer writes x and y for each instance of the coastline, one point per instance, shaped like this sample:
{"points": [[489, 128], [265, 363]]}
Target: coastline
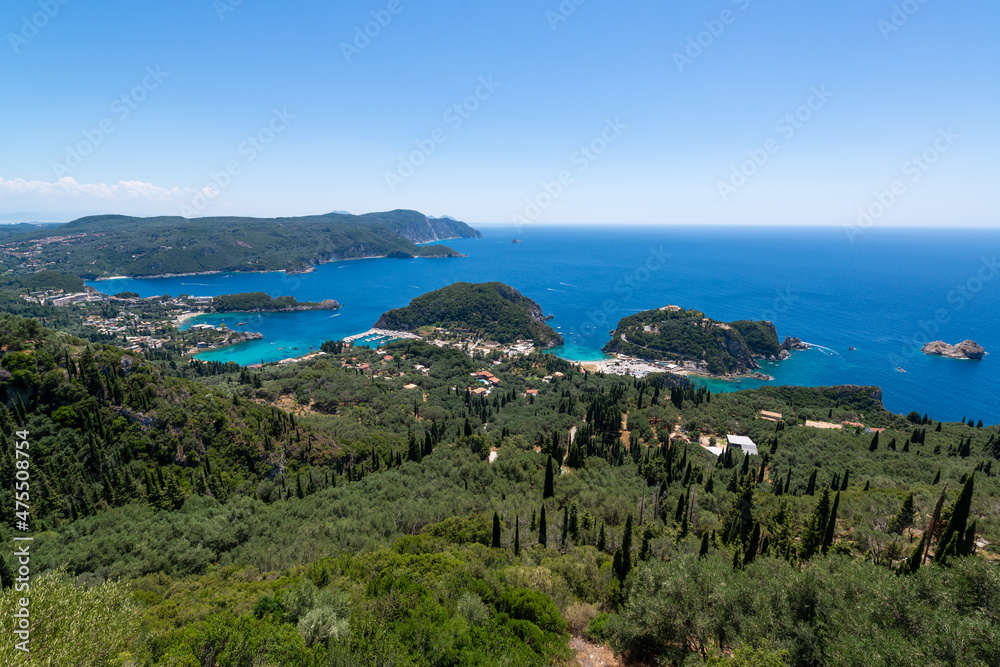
{"points": [[309, 269]]}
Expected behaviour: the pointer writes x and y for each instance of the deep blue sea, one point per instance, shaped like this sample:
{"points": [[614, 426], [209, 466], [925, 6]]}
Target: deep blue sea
{"points": [[885, 293]]}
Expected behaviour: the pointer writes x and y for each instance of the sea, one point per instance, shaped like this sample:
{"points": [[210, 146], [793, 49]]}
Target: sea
{"points": [[882, 291]]}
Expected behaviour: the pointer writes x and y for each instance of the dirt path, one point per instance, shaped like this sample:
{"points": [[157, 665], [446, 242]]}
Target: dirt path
{"points": [[592, 655]]}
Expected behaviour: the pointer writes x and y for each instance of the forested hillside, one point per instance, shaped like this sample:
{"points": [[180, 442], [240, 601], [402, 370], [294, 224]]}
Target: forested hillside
{"points": [[111, 245], [368, 508], [493, 311], [676, 334]]}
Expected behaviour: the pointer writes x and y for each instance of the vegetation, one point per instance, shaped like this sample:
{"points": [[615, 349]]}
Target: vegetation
{"points": [[110, 245], [677, 334], [357, 510], [493, 311], [252, 302]]}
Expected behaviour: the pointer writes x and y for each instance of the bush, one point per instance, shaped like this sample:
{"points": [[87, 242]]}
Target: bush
{"points": [[596, 630], [578, 616], [322, 624]]}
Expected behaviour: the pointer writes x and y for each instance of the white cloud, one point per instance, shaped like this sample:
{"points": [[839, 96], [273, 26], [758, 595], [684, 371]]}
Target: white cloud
{"points": [[68, 187]]}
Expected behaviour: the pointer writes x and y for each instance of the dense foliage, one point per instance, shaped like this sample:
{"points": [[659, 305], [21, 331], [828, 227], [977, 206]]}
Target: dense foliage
{"points": [[120, 245], [367, 507], [493, 311], [687, 335], [251, 302]]}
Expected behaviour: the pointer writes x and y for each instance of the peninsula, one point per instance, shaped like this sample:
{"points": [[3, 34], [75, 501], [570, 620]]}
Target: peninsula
{"points": [[492, 311], [117, 245], [698, 343]]}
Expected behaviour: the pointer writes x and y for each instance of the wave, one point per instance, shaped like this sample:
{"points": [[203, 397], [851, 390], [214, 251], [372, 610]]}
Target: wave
{"points": [[567, 285], [198, 284], [552, 289], [824, 349]]}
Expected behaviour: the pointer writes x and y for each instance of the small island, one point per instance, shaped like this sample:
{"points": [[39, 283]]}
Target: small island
{"points": [[967, 349], [687, 340], [489, 311], [262, 302]]}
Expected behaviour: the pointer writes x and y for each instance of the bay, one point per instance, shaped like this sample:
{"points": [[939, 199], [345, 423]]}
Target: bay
{"points": [[885, 292]]}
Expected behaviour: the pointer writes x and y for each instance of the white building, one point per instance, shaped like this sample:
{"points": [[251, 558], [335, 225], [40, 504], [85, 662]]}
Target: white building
{"points": [[743, 442]]}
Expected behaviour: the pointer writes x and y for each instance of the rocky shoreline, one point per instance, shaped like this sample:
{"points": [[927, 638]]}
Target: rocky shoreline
{"points": [[967, 349]]}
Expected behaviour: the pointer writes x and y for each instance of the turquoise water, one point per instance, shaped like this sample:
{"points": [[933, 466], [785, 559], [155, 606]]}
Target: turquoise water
{"points": [[884, 294]]}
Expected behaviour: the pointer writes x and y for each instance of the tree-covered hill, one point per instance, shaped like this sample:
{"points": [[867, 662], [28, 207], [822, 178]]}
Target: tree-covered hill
{"points": [[673, 333], [355, 509], [493, 311], [109, 245]]}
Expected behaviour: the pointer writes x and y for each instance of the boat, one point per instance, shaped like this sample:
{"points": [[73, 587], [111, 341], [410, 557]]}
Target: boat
{"points": [[515, 241], [851, 348], [241, 324], [900, 369]]}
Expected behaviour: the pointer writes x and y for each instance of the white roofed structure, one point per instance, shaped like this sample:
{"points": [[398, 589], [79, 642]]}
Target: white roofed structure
{"points": [[743, 442]]}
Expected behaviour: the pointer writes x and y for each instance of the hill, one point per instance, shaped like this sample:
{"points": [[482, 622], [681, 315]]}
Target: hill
{"points": [[676, 334], [494, 311], [106, 245], [362, 509]]}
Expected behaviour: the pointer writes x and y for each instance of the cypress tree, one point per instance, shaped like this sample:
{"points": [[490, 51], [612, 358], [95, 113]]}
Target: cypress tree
{"points": [[916, 558], [753, 545], [703, 552], [952, 539], [874, 444], [547, 490], [617, 566], [903, 518], [815, 530], [932, 526], [937, 478], [867, 485], [646, 550], [843, 483], [565, 525], [602, 542], [517, 536], [496, 531], [831, 525], [811, 486], [627, 548], [6, 574], [543, 537]]}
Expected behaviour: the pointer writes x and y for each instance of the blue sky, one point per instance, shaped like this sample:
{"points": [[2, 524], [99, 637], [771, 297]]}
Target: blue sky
{"points": [[721, 112]]}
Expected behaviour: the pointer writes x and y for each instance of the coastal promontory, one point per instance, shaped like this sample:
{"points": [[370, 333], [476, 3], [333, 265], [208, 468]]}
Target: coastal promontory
{"points": [[673, 333], [967, 349], [493, 311], [103, 246]]}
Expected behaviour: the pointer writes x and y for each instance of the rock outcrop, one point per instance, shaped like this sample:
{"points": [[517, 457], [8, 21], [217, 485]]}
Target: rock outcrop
{"points": [[793, 343], [967, 349]]}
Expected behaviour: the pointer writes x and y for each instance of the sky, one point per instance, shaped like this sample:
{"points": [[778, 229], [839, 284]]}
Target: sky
{"points": [[858, 112]]}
